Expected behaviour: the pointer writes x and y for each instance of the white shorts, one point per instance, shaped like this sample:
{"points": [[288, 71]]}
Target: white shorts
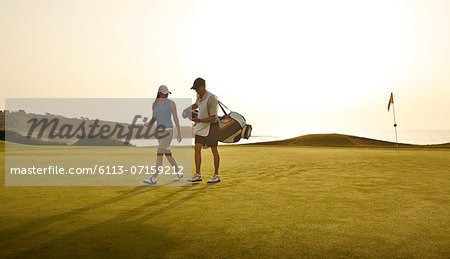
{"points": [[164, 143]]}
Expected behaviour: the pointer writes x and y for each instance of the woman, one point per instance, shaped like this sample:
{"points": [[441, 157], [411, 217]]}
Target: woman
{"points": [[163, 109]]}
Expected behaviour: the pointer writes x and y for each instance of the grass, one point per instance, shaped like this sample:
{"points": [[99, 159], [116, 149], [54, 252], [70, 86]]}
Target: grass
{"points": [[273, 201]]}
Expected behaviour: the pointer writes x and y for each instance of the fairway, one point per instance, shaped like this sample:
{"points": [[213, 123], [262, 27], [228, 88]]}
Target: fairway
{"points": [[272, 202]]}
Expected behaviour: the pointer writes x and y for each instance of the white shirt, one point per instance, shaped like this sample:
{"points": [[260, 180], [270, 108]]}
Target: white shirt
{"points": [[202, 128]]}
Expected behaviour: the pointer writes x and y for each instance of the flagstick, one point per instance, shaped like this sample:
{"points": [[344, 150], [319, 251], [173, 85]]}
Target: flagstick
{"points": [[395, 127]]}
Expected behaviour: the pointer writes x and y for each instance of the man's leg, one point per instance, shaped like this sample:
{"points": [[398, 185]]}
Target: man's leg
{"points": [[215, 152], [198, 157]]}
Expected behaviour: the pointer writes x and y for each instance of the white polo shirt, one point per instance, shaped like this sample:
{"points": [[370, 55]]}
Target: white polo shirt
{"points": [[207, 106]]}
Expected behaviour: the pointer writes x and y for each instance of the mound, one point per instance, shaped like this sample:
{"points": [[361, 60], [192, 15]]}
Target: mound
{"points": [[331, 140]]}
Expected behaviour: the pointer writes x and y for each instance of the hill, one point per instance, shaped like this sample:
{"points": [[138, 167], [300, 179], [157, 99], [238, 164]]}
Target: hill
{"points": [[340, 140], [15, 137], [100, 142], [19, 121]]}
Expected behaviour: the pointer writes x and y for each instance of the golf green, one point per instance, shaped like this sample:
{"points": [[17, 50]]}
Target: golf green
{"points": [[273, 201]]}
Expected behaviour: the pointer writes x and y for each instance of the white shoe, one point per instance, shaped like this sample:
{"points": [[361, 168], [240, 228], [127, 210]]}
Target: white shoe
{"points": [[178, 177], [151, 181], [215, 179], [196, 178]]}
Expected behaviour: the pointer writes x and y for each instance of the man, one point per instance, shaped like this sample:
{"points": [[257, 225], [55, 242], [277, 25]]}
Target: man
{"points": [[206, 128]]}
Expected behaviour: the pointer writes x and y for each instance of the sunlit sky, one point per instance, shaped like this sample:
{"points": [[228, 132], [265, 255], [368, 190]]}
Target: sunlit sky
{"points": [[290, 67]]}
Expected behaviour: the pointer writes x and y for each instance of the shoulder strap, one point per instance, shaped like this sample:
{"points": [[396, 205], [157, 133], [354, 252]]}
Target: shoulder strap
{"points": [[222, 107]]}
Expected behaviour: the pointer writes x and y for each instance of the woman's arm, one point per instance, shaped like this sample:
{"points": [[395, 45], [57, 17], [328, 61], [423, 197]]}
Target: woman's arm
{"points": [[173, 107], [153, 111]]}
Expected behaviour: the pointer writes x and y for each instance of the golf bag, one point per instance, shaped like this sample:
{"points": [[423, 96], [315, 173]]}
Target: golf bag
{"points": [[232, 126]]}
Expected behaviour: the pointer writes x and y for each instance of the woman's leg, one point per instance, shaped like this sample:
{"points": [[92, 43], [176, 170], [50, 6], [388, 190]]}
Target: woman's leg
{"points": [[159, 158], [164, 144], [172, 161]]}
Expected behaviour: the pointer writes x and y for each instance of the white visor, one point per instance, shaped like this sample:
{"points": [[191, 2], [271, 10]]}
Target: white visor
{"points": [[163, 89]]}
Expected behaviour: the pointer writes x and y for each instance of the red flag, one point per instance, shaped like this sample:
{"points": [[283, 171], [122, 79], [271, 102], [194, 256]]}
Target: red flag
{"points": [[391, 100]]}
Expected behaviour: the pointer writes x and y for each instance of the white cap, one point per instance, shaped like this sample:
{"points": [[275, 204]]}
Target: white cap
{"points": [[163, 89]]}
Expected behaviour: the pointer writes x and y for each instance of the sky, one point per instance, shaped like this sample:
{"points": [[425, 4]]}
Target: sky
{"points": [[289, 67]]}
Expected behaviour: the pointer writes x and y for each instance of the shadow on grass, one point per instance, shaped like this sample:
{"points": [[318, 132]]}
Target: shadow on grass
{"points": [[119, 236], [10, 234], [13, 233]]}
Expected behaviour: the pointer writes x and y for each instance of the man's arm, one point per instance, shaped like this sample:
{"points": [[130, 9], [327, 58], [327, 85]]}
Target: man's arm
{"points": [[207, 119], [212, 110], [191, 108]]}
